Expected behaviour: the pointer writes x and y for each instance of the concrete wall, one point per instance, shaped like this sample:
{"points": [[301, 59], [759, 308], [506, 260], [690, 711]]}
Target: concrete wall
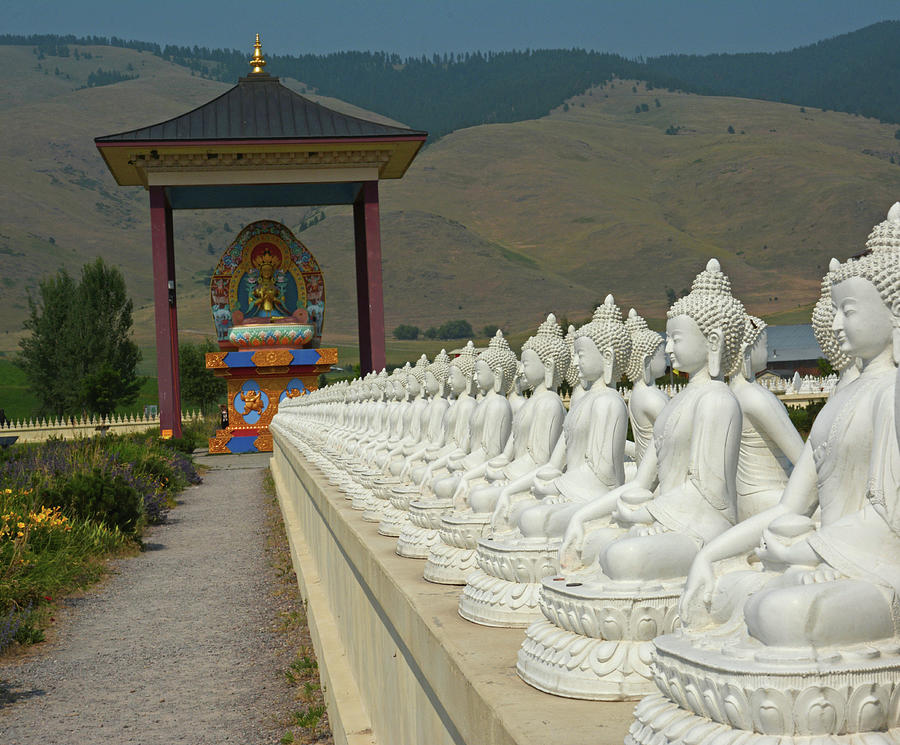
{"points": [[398, 663]]}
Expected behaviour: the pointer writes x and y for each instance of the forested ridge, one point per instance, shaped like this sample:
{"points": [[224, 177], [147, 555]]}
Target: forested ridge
{"points": [[856, 73]]}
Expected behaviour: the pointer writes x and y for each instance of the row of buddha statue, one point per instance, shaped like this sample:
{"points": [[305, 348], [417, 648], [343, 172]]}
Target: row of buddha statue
{"points": [[744, 582]]}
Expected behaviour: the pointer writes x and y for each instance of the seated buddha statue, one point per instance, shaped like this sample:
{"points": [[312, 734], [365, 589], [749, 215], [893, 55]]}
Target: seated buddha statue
{"points": [[572, 378], [419, 533], [646, 363], [588, 460], [431, 436], [535, 430], [770, 444], [592, 642], [804, 647]]}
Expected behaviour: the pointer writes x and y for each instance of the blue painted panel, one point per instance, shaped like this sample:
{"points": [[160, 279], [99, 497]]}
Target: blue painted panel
{"points": [[242, 444], [261, 195]]}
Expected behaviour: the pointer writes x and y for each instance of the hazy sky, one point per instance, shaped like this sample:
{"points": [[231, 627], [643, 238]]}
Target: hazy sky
{"points": [[629, 27]]}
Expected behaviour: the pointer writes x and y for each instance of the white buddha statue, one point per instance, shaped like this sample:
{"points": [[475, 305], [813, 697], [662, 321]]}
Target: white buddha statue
{"points": [[805, 648], [449, 559], [396, 516], [588, 460], [516, 395], [822, 319], [646, 363], [536, 428], [572, 378], [593, 641], [770, 445], [438, 479]]}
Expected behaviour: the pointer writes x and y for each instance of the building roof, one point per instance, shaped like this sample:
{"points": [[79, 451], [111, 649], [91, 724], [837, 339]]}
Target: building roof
{"points": [[790, 343], [259, 107]]}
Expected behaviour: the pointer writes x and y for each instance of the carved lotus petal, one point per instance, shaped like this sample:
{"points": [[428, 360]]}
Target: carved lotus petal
{"points": [[606, 657], [771, 712], [868, 708], [613, 625], [736, 708], [820, 711]]}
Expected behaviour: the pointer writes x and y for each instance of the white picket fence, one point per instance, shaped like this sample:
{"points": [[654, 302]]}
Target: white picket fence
{"points": [[38, 430]]}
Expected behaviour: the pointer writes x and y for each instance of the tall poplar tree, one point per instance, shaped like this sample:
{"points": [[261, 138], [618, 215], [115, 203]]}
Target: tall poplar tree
{"points": [[79, 356]]}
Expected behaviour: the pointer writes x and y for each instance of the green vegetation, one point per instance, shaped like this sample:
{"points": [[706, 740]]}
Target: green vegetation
{"points": [[79, 355], [65, 506], [405, 331], [199, 387]]}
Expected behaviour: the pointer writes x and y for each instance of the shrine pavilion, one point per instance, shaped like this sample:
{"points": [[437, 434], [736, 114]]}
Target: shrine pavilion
{"points": [[260, 144]]}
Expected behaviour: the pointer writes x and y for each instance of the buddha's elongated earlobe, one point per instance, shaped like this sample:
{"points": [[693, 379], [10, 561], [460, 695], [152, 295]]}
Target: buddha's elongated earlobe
{"points": [[715, 353], [499, 382], [550, 373], [747, 366], [648, 359], [609, 363], [895, 339]]}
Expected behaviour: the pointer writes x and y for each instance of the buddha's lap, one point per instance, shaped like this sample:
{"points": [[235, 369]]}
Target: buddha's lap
{"points": [[660, 556]]}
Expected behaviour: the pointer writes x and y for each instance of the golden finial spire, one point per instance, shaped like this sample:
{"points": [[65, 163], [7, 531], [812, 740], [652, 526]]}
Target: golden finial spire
{"points": [[257, 63]]}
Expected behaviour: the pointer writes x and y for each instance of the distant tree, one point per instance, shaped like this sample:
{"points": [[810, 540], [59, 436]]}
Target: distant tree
{"points": [[637, 109], [671, 297], [199, 387], [897, 135], [455, 330], [658, 104], [634, 89], [645, 107], [672, 130], [405, 331], [79, 354], [430, 333], [802, 109], [730, 130], [825, 367], [490, 329]]}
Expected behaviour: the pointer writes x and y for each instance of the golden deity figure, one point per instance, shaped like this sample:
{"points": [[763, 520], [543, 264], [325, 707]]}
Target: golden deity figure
{"points": [[252, 401], [267, 297]]}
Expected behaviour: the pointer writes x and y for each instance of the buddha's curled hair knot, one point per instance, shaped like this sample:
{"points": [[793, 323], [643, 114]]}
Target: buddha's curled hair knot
{"points": [[605, 330], [753, 329], [498, 354], [572, 377], [465, 361], [881, 266], [548, 343], [440, 367], [644, 343], [418, 371], [711, 305]]}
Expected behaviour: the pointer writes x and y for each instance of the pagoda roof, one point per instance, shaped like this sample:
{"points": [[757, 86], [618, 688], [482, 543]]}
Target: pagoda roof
{"points": [[259, 107]]}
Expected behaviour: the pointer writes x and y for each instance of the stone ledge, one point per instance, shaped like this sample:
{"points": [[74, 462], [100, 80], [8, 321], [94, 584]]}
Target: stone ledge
{"points": [[422, 673]]}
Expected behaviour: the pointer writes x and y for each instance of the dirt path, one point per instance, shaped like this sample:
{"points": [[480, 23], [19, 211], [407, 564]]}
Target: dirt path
{"points": [[177, 647]]}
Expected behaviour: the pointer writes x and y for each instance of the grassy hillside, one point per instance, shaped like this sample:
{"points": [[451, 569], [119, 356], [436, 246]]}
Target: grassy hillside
{"points": [[494, 224]]}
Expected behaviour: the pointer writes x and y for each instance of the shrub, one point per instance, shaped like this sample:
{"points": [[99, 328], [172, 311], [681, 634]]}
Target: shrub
{"points": [[455, 330], [405, 331]]}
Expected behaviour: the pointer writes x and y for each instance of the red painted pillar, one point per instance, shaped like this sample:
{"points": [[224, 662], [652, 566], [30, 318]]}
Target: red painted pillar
{"points": [[166, 313], [369, 290]]}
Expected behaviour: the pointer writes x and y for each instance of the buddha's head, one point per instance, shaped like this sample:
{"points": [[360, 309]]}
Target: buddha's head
{"points": [[545, 356], [706, 326], [754, 348], [822, 322], [602, 346], [462, 370], [437, 373], [380, 385], [415, 377], [865, 295], [647, 360], [495, 368], [400, 375]]}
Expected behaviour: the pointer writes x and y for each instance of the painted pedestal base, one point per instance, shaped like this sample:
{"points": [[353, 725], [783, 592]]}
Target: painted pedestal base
{"points": [[258, 380]]}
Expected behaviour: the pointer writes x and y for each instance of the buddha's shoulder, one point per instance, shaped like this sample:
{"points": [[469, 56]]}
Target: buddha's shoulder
{"points": [[716, 394]]}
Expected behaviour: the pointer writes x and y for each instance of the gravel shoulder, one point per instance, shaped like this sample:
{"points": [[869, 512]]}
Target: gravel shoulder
{"points": [[180, 645]]}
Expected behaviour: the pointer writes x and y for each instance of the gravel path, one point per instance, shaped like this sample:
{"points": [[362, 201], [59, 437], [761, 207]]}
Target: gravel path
{"points": [[178, 646]]}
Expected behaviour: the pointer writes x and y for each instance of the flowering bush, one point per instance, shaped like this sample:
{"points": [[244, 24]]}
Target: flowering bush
{"points": [[64, 506]]}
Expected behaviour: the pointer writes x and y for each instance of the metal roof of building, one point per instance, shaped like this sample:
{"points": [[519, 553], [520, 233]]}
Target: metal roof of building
{"points": [[259, 107], [788, 343]]}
